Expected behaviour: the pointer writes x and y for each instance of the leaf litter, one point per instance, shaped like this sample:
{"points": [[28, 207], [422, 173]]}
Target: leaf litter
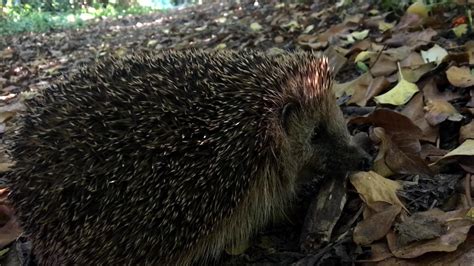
{"points": [[405, 83]]}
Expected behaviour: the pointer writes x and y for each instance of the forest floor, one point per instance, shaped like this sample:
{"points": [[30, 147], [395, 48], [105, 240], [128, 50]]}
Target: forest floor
{"points": [[405, 81]]}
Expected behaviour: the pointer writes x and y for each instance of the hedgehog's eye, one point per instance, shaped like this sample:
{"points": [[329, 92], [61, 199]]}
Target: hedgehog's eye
{"points": [[317, 133]]}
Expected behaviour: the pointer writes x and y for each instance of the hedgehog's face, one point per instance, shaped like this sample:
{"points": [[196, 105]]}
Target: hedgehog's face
{"points": [[319, 142]]}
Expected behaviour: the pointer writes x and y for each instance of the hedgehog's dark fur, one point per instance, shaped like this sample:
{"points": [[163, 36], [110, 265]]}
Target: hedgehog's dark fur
{"points": [[164, 158]]}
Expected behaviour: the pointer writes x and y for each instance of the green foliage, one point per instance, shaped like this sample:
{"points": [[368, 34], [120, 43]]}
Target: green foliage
{"points": [[28, 18], [401, 5]]}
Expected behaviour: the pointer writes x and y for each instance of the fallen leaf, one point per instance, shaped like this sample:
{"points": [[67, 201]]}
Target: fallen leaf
{"points": [[412, 39], [466, 132], [373, 188], [463, 255], [413, 59], [465, 149], [401, 53], [255, 26], [440, 110], [393, 122], [205, 27], [460, 30], [431, 152], [336, 59], [308, 29], [418, 227], [363, 94], [402, 157], [434, 54], [415, 72], [414, 110], [385, 26], [278, 39], [385, 65], [360, 35], [455, 235], [460, 77], [376, 226], [432, 93], [364, 55], [418, 8], [399, 95], [349, 87], [407, 21], [470, 51], [463, 155]]}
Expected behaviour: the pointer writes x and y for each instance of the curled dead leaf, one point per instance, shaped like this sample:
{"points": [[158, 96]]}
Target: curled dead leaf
{"points": [[376, 226], [457, 229], [460, 77], [400, 156], [440, 110], [363, 94], [466, 132], [349, 87], [414, 110], [374, 188]]}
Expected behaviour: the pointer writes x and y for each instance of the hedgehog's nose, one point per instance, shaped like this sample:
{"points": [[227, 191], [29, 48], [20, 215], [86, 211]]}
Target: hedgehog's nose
{"points": [[365, 163]]}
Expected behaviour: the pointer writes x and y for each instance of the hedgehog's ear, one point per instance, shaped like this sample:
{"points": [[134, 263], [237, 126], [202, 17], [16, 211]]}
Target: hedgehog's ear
{"points": [[285, 116]]}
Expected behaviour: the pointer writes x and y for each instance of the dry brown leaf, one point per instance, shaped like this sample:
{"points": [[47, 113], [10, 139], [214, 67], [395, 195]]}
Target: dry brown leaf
{"points": [[457, 229], [378, 252], [335, 31], [374, 188], [376, 226], [412, 39], [384, 66], [407, 21], [363, 94], [379, 165], [431, 92], [466, 132], [470, 51], [336, 60], [460, 76], [413, 59], [400, 157], [440, 110], [418, 8], [463, 155], [393, 122], [401, 53], [414, 72], [349, 87], [463, 255], [465, 149], [431, 153], [414, 110]]}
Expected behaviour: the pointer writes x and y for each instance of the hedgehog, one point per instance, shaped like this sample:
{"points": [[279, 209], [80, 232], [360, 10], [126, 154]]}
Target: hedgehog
{"points": [[171, 157]]}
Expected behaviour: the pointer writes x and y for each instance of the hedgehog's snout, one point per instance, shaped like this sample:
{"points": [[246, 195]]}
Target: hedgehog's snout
{"points": [[358, 159], [365, 162]]}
